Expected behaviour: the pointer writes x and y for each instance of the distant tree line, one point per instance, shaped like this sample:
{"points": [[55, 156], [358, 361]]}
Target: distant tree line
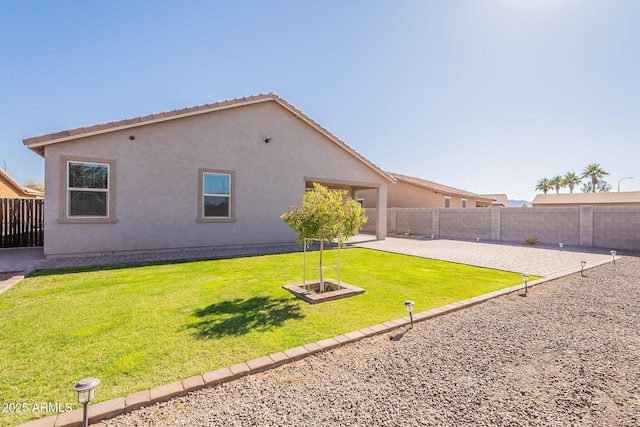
{"points": [[593, 172]]}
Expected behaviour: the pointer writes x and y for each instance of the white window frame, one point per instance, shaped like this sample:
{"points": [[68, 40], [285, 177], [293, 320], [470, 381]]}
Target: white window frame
{"points": [[87, 189], [64, 192], [202, 172]]}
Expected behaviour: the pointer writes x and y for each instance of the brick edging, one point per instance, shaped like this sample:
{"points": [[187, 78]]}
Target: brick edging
{"points": [[120, 405]]}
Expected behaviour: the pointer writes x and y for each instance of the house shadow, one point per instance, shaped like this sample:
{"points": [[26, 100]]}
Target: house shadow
{"points": [[239, 317]]}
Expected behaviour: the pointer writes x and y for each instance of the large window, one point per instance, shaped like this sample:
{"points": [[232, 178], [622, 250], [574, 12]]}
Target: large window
{"points": [[447, 202], [216, 195], [87, 190]]}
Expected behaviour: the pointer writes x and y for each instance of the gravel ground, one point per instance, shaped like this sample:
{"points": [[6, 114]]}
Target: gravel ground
{"points": [[567, 354]]}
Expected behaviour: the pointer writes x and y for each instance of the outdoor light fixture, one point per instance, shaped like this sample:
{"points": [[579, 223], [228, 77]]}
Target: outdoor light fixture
{"points": [[85, 389], [266, 139], [613, 255], [525, 278], [477, 239], [620, 180], [561, 244], [432, 236], [409, 306], [583, 263]]}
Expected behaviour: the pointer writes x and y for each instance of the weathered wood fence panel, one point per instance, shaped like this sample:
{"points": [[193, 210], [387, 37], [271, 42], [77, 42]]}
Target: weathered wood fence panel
{"points": [[21, 222]]}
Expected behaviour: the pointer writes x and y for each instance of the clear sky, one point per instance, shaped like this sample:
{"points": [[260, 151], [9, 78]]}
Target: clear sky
{"points": [[483, 95]]}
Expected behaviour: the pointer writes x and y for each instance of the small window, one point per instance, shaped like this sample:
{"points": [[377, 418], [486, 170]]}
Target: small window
{"points": [[447, 202], [216, 196], [464, 203], [87, 190]]}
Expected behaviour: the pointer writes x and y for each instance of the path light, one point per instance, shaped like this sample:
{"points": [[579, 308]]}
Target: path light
{"points": [[85, 389], [525, 278], [561, 245], [477, 239], [613, 255], [582, 263], [409, 306]]}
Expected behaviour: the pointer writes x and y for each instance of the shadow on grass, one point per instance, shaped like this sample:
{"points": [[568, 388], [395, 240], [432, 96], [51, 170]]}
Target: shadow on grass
{"points": [[238, 317]]}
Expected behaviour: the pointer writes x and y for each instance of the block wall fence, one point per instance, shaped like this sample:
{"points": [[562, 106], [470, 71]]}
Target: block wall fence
{"points": [[588, 226]]}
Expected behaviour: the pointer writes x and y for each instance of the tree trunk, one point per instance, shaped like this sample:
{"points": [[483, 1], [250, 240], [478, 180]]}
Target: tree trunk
{"points": [[321, 275], [594, 181]]}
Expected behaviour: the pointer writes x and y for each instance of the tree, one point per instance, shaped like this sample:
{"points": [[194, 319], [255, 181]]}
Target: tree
{"points": [[544, 185], [35, 185], [557, 182], [594, 172], [325, 215], [571, 180], [602, 187]]}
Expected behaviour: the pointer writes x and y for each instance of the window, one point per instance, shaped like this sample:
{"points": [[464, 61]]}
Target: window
{"points": [[447, 202], [87, 190], [464, 203], [216, 189]]}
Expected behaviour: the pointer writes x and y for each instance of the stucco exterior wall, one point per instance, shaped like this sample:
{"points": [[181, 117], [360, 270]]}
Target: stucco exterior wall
{"points": [[157, 177], [404, 195]]}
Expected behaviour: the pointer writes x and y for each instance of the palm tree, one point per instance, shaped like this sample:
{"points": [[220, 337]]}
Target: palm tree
{"points": [[571, 180], [594, 172], [544, 185], [557, 182]]}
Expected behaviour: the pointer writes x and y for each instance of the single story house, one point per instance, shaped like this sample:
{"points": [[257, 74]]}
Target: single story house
{"points": [[626, 198], [213, 175], [411, 192], [499, 200], [10, 189]]}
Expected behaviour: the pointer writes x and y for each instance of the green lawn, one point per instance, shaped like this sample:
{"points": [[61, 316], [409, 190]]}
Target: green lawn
{"points": [[139, 327]]}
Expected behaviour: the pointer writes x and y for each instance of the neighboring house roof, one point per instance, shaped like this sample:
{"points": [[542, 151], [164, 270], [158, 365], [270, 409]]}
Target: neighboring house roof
{"points": [[607, 198], [498, 199], [8, 181], [439, 188], [38, 143]]}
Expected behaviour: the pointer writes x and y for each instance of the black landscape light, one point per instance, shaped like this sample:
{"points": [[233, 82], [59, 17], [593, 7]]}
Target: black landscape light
{"points": [[409, 306], [582, 264], [85, 389], [525, 278], [613, 255]]}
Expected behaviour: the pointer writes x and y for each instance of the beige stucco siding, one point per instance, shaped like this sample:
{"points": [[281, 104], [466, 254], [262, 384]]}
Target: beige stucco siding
{"points": [[404, 195], [156, 180]]}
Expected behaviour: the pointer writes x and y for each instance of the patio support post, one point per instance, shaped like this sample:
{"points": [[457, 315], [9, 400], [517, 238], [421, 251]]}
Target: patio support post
{"points": [[381, 226]]}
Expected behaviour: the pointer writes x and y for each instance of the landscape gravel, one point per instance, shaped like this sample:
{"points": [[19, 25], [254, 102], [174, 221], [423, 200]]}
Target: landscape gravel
{"points": [[568, 354]]}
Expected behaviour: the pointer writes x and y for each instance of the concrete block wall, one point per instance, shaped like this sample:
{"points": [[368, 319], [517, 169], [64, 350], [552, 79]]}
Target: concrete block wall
{"points": [[465, 224], [616, 227], [587, 226], [418, 221], [548, 225]]}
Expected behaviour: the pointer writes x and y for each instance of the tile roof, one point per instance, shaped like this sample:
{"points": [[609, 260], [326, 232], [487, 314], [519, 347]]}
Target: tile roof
{"points": [[37, 143], [609, 198], [444, 189]]}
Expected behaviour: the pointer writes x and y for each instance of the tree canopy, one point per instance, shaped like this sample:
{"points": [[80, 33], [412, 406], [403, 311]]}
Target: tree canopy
{"points": [[325, 215]]}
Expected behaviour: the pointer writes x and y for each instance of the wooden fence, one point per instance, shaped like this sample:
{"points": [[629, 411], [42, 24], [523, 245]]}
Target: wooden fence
{"points": [[21, 222]]}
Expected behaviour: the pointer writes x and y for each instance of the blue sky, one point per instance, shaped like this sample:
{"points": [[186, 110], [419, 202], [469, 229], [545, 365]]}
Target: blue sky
{"points": [[487, 96]]}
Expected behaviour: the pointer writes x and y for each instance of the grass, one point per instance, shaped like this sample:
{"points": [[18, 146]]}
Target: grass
{"points": [[139, 327]]}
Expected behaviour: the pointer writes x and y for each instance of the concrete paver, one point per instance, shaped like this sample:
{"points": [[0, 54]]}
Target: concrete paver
{"points": [[539, 261]]}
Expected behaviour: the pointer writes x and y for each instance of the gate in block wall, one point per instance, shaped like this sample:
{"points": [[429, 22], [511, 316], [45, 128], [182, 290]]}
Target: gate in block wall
{"points": [[21, 222]]}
